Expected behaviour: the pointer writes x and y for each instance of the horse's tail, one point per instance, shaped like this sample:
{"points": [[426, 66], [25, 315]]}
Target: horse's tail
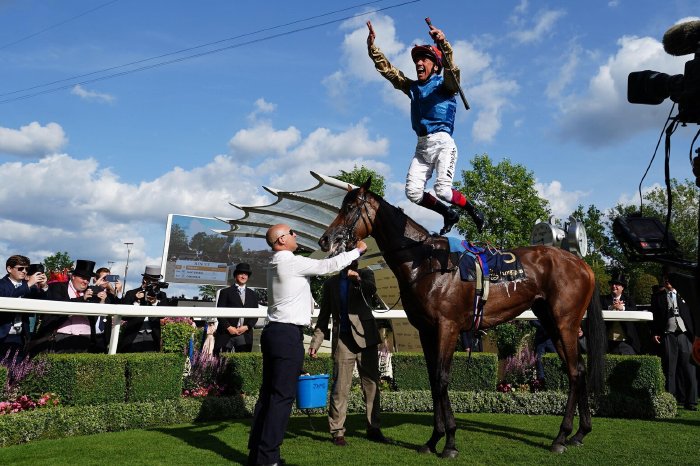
{"points": [[596, 343]]}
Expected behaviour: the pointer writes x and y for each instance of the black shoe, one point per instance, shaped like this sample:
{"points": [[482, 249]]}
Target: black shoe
{"points": [[476, 215], [339, 441], [451, 218], [375, 435]]}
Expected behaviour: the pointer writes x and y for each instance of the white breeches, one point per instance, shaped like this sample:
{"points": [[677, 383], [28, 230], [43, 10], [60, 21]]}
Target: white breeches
{"points": [[434, 152]]}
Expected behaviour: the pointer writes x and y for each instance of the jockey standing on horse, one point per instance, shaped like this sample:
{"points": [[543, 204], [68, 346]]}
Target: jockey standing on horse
{"points": [[433, 109]]}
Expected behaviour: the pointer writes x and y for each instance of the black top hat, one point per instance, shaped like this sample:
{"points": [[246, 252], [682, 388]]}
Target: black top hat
{"points": [[618, 278], [84, 268], [152, 271], [243, 268]]}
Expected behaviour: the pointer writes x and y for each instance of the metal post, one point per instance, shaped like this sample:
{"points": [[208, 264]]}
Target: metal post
{"points": [[126, 267]]}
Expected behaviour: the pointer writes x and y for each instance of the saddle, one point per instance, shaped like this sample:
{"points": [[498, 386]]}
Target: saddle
{"points": [[484, 265]]}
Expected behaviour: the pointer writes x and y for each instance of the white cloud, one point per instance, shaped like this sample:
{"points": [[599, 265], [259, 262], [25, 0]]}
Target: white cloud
{"points": [[541, 25], [93, 96], [262, 138], [261, 107], [32, 140], [601, 114], [491, 97], [567, 73], [627, 198], [562, 202]]}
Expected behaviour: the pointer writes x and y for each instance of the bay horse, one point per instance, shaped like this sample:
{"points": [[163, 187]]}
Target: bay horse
{"points": [[559, 288]]}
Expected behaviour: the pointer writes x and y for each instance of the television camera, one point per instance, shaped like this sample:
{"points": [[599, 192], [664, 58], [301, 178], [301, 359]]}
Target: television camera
{"points": [[646, 239]]}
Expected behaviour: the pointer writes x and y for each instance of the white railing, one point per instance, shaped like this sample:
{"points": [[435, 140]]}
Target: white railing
{"points": [[117, 311]]}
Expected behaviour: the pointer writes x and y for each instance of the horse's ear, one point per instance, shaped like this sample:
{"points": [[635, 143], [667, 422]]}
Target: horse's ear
{"points": [[367, 184], [349, 187]]}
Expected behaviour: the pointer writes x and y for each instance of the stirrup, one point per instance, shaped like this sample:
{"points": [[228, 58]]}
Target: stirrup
{"points": [[451, 218]]}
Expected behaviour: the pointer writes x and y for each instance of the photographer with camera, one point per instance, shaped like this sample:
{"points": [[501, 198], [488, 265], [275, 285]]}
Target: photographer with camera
{"points": [[142, 334], [106, 288], [22, 280]]}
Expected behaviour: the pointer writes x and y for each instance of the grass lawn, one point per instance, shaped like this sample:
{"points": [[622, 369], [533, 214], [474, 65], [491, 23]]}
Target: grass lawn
{"points": [[482, 439]]}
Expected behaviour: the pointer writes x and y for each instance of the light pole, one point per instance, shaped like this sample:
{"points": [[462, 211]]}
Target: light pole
{"points": [[126, 268]]}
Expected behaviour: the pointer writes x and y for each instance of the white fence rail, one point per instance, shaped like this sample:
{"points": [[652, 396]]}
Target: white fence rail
{"points": [[117, 311]]}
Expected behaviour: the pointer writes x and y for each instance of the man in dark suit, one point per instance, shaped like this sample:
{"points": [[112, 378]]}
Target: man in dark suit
{"points": [[68, 333], [347, 298], [622, 336], [14, 327], [236, 334], [142, 334], [673, 329]]}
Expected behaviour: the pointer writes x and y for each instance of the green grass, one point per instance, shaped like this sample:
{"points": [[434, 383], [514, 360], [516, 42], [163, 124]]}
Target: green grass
{"points": [[482, 439]]}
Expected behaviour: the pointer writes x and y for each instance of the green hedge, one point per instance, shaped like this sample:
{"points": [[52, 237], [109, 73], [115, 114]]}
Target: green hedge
{"points": [[65, 421], [154, 376], [244, 370], [81, 379], [633, 376], [478, 373], [175, 337], [87, 379]]}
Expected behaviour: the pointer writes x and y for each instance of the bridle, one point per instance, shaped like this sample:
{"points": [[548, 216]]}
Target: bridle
{"points": [[357, 214]]}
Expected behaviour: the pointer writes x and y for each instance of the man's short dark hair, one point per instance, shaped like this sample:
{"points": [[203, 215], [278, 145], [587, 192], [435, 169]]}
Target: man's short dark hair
{"points": [[101, 270], [14, 261]]}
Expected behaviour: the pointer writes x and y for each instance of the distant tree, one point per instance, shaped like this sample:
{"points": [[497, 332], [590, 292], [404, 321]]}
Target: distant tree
{"points": [[208, 291], [58, 262], [359, 175], [209, 247], [593, 221], [506, 193], [178, 241]]}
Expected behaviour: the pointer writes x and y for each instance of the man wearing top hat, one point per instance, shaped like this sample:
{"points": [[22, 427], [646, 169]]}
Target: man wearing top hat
{"points": [[71, 333], [142, 334], [622, 336], [235, 334]]}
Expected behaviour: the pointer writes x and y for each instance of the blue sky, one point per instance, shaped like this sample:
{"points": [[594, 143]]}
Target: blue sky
{"points": [[100, 162]]}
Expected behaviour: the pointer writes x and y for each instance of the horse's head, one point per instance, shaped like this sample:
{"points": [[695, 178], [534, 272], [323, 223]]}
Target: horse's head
{"points": [[354, 221]]}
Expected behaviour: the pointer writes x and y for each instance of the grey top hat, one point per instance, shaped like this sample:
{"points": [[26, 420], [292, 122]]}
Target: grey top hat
{"points": [[243, 268], [152, 271]]}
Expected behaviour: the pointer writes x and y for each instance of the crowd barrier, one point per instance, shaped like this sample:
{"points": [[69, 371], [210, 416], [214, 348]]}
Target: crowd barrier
{"points": [[119, 311]]}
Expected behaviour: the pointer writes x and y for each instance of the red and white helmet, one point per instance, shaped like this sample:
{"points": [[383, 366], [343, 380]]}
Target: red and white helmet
{"points": [[428, 51]]}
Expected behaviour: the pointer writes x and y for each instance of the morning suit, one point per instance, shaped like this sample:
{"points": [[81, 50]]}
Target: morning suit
{"points": [[355, 340], [224, 341], [629, 344], [134, 331], [676, 345], [13, 341], [47, 336]]}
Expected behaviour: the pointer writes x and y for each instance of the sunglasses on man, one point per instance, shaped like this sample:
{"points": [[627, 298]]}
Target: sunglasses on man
{"points": [[291, 233]]}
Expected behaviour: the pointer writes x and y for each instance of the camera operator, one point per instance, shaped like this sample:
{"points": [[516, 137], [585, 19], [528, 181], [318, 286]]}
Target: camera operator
{"points": [[142, 334]]}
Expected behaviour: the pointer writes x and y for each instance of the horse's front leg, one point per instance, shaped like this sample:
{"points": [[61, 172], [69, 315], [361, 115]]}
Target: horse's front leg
{"points": [[447, 338], [428, 339]]}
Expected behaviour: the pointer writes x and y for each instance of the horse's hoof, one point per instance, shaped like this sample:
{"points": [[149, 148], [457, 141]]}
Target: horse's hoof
{"points": [[425, 449], [558, 448], [449, 453], [572, 442]]}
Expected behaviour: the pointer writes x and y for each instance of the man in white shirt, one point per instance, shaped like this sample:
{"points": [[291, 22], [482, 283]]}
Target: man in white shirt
{"points": [[289, 310]]}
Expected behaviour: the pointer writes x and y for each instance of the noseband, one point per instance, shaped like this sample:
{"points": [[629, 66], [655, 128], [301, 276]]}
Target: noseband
{"points": [[349, 224]]}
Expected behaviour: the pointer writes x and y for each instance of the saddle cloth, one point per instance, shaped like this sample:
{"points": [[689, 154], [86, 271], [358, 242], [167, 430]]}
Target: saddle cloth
{"points": [[497, 265]]}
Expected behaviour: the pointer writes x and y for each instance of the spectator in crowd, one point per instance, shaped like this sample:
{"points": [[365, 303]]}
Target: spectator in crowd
{"points": [[107, 293], [68, 333], [622, 336], [17, 283], [347, 299], [471, 340], [673, 330], [236, 334], [289, 310], [543, 344], [142, 334]]}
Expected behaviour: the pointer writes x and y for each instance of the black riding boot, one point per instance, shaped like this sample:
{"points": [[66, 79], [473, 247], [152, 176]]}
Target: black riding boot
{"points": [[476, 215], [450, 216]]}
